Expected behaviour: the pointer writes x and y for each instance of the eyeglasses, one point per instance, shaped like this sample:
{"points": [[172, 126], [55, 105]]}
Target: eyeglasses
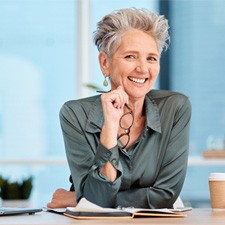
{"points": [[124, 138]]}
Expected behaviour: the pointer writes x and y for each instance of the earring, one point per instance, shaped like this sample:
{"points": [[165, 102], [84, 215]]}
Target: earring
{"points": [[105, 82]]}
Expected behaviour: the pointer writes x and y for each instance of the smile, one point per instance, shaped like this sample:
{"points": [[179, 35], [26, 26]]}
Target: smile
{"points": [[137, 80]]}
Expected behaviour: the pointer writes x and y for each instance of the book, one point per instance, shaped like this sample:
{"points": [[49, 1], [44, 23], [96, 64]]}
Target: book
{"points": [[88, 210]]}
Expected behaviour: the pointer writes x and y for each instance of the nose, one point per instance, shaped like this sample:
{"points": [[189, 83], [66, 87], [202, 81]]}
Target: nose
{"points": [[142, 67]]}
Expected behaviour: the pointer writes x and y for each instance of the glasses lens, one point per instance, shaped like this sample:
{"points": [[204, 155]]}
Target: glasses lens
{"points": [[123, 140], [126, 121]]}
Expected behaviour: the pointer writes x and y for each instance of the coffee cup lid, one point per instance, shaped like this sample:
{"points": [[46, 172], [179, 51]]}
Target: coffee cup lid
{"points": [[217, 176]]}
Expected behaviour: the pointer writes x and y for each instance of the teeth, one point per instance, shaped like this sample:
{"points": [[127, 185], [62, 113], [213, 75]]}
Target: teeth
{"points": [[140, 81]]}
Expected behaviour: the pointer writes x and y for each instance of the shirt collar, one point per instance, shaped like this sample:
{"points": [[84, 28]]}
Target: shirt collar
{"points": [[95, 117], [152, 114]]}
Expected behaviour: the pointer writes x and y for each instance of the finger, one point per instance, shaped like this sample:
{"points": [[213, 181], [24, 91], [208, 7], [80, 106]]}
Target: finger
{"points": [[120, 100], [59, 192], [124, 95], [117, 98], [53, 205], [125, 98]]}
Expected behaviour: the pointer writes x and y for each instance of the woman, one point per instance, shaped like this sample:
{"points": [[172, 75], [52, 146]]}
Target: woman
{"points": [[129, 146]]}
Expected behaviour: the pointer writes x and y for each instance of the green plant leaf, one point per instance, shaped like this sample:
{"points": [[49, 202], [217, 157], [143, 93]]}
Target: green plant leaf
{"points": [[92, 86]]}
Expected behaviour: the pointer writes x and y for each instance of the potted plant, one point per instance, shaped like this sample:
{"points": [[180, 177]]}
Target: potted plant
{"points": [[15, 190]]}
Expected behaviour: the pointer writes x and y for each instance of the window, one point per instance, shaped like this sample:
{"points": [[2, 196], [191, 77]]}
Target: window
{"points": [[41, 68], [197, 69], [39, 71]]}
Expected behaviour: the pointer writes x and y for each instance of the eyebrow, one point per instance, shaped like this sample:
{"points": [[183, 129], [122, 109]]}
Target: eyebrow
{"points": [[137, 52]]}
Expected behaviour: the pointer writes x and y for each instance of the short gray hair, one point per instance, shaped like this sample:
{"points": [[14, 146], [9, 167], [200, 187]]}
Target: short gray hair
{"points": [[110, 29]]}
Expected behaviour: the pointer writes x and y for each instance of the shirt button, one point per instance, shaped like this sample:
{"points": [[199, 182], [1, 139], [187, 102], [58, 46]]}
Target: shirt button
{"points": [[115, 162]]}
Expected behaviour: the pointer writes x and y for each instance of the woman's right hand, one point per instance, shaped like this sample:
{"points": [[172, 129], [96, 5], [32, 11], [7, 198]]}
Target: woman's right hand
{"points": [[113, 108], [62, 198]]}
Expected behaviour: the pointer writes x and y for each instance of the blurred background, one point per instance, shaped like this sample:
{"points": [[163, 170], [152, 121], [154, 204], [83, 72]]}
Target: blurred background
{"points": [[47, 57]]}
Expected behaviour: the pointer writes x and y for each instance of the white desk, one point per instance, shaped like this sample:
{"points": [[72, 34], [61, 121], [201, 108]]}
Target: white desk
{"points": [[194, 217]]}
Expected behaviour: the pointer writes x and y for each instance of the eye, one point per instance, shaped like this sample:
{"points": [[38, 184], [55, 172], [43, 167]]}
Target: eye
{"points": [[130, 57], [152, 59]]}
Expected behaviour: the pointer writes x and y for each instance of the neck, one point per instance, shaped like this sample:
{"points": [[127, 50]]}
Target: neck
{"points": [[137, 108]]}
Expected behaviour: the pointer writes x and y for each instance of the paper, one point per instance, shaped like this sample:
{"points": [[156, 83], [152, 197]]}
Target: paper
{"points": [[88, 210], [55, 210]]}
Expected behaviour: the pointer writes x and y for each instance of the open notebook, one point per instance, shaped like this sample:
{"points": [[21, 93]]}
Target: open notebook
{"points": [[6, 211], [87, 210]]}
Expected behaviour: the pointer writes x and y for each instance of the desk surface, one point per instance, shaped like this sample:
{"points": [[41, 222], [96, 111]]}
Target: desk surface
{"points": [[194, 217]]}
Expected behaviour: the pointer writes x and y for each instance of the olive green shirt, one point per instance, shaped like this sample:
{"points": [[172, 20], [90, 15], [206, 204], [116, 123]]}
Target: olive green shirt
{"points": [[150, 173]]}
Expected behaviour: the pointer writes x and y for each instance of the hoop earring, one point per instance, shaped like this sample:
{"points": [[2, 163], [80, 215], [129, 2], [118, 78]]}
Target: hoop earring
{"points": [[105, 82]]}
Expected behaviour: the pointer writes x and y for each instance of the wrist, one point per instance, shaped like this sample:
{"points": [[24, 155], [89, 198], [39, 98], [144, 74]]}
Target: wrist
{"points": [[108, 136]]}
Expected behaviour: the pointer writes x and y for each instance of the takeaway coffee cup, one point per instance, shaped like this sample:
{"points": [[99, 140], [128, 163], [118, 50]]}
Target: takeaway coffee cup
{"points": [[217, 190]]}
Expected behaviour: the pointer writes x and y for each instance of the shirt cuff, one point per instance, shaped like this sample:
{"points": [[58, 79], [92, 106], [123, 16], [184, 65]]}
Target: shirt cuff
{"points": [[104, 155]]}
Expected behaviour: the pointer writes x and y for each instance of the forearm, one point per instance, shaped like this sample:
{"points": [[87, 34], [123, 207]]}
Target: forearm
{"points": [[109, 139], [162, 191], [101, 191], [89, 181], [98, 187], [133, 198], [148, 197]]}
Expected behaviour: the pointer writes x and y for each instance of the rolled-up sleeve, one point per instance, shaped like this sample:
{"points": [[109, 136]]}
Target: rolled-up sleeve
{"points": [[85, 161]]}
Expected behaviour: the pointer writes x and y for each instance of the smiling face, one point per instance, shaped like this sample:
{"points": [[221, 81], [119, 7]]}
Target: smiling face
{"points": [[134, 65]]}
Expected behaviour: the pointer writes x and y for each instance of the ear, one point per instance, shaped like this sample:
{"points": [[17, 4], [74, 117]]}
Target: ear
{"points": [[104, 63]]}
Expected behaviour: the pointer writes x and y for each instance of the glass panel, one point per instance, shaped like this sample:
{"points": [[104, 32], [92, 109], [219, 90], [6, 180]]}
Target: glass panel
{"points": [[37, 73], [198, 71], [37, 67]]}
